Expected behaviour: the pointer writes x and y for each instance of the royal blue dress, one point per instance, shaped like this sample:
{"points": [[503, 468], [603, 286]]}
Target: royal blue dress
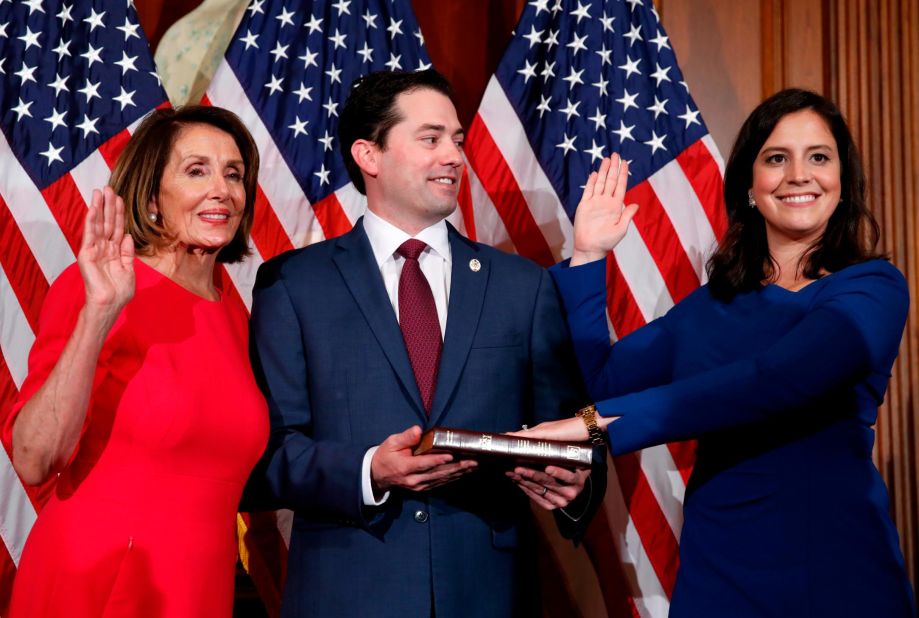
{"points": [[785, 514]]}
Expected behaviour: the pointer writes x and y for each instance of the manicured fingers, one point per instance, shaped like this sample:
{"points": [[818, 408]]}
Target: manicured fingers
{"points": [[602, 176], [589, 187], [118, 203], [127, 250], [96, 199], [623, 179], [89, 224], [108, 213], [98, 223], [609, 179], [612, 174]]}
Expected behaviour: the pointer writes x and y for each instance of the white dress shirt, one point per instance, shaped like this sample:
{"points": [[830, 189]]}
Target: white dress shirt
{"points": [[435, 262]]}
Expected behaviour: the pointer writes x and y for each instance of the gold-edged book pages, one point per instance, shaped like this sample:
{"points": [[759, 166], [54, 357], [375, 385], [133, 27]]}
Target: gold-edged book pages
{"points": [[500, 447]]}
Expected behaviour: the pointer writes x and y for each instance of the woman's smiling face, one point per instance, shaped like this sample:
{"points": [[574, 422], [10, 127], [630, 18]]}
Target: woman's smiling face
{"points": [[797, 179]]}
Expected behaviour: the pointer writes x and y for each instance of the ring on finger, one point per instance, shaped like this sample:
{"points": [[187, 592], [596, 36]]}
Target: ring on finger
{"points": [[545, 490]]}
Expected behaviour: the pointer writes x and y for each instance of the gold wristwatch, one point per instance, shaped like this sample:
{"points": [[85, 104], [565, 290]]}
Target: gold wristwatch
{"points": [[588, 414]]}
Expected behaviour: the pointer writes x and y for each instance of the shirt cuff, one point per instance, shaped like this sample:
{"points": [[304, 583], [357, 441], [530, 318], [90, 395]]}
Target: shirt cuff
{"points": [[366, 485]]}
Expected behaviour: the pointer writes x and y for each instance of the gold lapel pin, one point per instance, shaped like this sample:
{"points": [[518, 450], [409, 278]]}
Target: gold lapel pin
{"points": [[475, 265]]}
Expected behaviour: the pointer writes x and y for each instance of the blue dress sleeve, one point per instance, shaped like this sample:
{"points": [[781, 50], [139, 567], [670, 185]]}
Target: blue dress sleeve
{"points": [[638, 361], [850, 335], [557, 388]]}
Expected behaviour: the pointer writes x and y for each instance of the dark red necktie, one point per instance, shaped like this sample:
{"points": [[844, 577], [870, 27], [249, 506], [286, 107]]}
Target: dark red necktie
{"points": [[418, 321]]}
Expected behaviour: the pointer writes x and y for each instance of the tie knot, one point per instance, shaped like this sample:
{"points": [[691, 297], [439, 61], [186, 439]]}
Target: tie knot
{"points": [[411, 248]]}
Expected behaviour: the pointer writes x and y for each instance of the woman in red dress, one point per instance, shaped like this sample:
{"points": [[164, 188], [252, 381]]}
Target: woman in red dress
{"points": [[140, 395]]}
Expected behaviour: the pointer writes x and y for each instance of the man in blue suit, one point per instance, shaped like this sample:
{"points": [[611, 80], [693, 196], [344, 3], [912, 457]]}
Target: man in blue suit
{"points": [[360, 341]]}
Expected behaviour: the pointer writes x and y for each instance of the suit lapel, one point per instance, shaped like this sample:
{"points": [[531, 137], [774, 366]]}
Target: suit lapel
{"points": [[354, 258], [467, 294]]}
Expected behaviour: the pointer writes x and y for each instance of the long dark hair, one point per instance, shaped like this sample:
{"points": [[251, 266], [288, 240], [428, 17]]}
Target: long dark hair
{"points": [[742, 261]]}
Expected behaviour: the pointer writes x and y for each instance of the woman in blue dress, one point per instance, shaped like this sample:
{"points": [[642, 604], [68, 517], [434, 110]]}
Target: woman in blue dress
{"points": [[777, 367]]}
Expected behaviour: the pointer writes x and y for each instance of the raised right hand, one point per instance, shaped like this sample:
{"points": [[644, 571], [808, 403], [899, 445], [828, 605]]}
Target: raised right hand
{"points": [[602, 219], [106, 256], [394, 465]]}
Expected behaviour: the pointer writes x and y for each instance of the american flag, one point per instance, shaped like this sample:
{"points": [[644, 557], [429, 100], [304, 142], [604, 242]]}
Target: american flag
{"points": [[286, 73], [75, 77], [579, 81]]}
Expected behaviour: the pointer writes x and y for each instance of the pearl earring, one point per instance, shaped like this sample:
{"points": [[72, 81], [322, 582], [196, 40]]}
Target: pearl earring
{"points": [[153, 217]]}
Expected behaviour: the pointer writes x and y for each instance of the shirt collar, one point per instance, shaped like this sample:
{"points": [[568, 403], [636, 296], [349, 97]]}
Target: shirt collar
{"points": [[385, 238]]}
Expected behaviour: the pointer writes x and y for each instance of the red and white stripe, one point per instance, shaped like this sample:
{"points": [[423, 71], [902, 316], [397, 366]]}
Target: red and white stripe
{"points": [[32, 216], [39, 237], [285, 218], [17, 513], [661, 259], [507, 202]]}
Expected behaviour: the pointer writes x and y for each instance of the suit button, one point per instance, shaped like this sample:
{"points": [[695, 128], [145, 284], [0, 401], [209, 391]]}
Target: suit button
{"points": [[421, 517]]}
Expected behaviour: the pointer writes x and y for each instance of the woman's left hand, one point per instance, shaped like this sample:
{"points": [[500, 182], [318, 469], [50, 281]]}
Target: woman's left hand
{"points": [[568, 429], [602, 218]]}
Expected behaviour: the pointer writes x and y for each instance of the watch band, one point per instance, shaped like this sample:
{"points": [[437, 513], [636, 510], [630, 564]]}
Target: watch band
{"points": [[588, 414]]}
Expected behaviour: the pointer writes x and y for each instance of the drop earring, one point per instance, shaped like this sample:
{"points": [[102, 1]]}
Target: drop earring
{"points": [[750, 201]]}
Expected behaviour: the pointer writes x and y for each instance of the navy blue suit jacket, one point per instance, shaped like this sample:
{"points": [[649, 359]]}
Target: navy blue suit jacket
{"points": [[328, 352]]}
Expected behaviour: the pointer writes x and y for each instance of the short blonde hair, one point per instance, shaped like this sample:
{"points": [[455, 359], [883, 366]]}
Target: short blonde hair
{"points": [[139, 171]]}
